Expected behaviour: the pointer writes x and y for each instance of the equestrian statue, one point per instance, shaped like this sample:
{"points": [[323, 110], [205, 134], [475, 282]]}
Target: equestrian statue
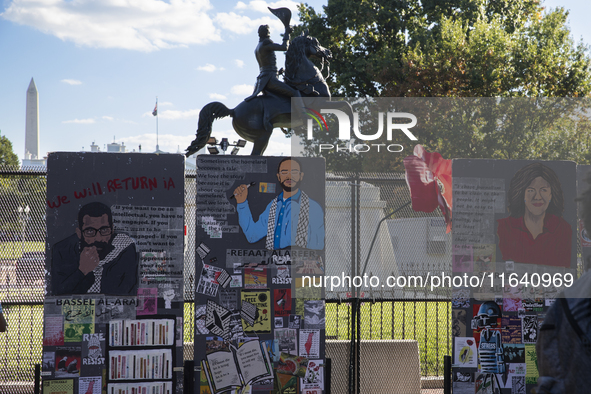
{"points": [[270, 104]]}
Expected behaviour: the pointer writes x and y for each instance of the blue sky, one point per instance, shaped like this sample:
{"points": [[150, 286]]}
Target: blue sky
{"points": [[99, 65]]}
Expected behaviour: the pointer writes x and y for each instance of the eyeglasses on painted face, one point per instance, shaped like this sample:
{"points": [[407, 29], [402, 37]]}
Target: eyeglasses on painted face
{"points": [[293, 172], [91, 232]]}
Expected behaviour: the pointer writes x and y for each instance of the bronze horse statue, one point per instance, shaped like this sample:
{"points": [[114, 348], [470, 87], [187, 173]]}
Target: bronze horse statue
{"points": [[254, 120]]}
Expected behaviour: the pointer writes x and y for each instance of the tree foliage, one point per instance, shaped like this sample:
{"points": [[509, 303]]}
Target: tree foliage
{"points": [[465, 48], [7, 155], [19, 191]]}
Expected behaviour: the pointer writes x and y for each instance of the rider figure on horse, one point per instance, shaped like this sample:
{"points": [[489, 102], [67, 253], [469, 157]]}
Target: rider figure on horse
{"points": [[282, 102], [267, 79]]}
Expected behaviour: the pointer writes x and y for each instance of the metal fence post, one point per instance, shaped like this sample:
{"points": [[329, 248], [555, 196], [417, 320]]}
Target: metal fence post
{"points": [[189, 376], [447, 374], [37, 378], [357, 260], [352, 359], [327, 375], [358, 345], [352, 348]]}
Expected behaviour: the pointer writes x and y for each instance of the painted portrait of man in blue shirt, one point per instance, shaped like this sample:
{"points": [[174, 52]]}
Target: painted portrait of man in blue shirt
{"points": [[290, 219]]}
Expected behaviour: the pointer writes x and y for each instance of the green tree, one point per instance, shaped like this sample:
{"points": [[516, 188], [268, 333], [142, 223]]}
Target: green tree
{"points": [[19, 191], [9, 193], [465, 48], [7, 155]]}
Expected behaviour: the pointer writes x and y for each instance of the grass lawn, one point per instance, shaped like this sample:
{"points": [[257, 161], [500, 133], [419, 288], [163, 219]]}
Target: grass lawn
{"points": [[14, 250], [20, 345], [429, 323]]}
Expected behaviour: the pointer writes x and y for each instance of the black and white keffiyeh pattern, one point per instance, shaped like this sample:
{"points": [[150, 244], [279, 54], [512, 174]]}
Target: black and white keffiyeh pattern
{"points": [[302, 228], [120, 242], [303, 220], [271, 225]]}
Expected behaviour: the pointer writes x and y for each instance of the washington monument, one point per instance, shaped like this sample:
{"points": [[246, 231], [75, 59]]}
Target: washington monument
{"points": [[32, 123]]}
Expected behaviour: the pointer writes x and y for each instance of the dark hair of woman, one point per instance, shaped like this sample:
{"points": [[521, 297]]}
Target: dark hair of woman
{"points": [[523, 178]]}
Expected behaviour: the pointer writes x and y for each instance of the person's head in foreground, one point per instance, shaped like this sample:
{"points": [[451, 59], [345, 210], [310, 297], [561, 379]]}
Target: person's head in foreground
{"points": [[563, 349]]}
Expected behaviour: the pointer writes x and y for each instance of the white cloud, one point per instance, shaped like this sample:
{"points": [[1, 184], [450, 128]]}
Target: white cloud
{"points": [[175, 115], [243, 90], [261, 6], [278, 145], [241, 6], [166, 142], [209, 68], [80, 121], [241, 24], [217, 96], [71, 81], [165, 104], [112, 119], [142, 25], [239, 63]]}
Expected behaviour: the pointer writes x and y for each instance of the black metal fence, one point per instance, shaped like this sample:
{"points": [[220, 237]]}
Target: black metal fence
{"points": [[387, 239], [407, 243]]}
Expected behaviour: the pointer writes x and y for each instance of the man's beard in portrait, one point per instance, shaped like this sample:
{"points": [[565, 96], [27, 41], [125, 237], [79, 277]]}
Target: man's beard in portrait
{"points": [[295, 186], [102, 248]]}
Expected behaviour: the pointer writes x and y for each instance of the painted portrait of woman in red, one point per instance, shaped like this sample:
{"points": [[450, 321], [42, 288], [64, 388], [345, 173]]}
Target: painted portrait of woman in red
{"points": [[535, 232]]}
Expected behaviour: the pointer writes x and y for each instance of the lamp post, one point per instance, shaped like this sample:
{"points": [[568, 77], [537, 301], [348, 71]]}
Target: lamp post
{"points": [[224, 144], [23, 217]]}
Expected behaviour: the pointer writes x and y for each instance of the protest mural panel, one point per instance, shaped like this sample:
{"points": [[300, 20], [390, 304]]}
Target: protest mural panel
{"points": [[114, 286], [258, 218], [515, 237]]}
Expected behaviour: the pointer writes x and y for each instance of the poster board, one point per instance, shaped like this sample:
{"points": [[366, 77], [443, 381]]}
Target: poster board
{"points": [[114, 286], [249, 290], [496, 320]]}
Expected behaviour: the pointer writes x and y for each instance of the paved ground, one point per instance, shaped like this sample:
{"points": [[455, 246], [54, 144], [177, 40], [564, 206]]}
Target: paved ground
{"points": [[432, 391]]}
